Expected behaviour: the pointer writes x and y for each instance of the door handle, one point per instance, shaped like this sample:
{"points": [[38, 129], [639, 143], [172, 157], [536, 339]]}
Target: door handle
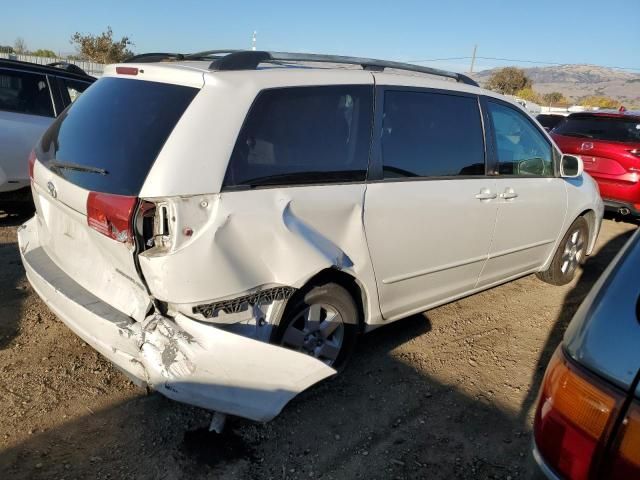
{"points": [[486, 194], [508, 194]]}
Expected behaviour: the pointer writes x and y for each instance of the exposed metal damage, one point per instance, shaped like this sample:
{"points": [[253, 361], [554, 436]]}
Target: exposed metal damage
{"points": [[210, 346], [240, 304], [190, 361]]}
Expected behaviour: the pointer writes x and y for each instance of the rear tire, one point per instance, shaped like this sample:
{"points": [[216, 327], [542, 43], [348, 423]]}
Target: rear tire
{"points": [[322, 323], [572, 251]]}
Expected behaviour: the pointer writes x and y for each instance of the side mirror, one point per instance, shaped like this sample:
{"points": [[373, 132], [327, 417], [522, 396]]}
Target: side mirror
{"points": [[571, 166]]}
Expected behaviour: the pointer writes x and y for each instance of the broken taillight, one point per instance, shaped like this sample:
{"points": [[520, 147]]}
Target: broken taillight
{"points": [[573, 415], [111, 215], [32, 163]]}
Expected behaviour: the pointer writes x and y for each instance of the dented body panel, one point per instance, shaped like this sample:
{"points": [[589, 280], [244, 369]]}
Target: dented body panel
{"points": [[259, 238], [181, 358]]}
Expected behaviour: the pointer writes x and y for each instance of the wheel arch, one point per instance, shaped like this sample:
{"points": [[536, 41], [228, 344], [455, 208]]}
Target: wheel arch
{"points": [[590, 216], [345, 280]]}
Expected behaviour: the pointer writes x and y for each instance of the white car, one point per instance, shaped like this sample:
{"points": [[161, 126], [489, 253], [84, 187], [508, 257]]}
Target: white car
{"points": [[31, 96], [223, 229]]}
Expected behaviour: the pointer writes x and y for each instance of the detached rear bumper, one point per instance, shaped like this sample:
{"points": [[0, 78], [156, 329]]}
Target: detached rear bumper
{"points": [[183, 359]]}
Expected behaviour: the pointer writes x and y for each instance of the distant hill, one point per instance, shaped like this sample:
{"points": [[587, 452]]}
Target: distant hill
{"points": [[576, 81]]}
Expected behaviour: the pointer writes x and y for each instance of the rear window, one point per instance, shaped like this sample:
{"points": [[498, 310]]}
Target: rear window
{"points": [[108, 139], [601, 128], [549, 121]]}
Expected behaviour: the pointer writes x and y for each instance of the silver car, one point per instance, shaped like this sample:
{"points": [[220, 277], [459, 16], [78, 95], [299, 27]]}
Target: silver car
{"points": [[31, 96]]}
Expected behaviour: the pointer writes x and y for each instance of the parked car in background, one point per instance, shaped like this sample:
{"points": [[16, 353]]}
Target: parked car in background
{"points": [[609, 144], [31, 96], [223, 226], [587, 423], [550, 120]]}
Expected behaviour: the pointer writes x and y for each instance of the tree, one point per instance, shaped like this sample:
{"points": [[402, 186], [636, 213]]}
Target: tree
{"points": [[20, 46], [553, 98], [529, 94], [599, 101], [102, 48], [43, 52], [508, 81]]}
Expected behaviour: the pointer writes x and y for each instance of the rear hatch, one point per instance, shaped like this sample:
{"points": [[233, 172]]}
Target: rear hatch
{"points": [[609, 145], [91, 164]]}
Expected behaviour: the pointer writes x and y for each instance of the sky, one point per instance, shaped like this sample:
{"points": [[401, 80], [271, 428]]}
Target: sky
{"points": [[555, 31]]}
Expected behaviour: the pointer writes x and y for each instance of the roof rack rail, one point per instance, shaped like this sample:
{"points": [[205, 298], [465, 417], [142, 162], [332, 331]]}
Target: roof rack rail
{"points": [[69, 67], [165, 56], [250, 59], [153, 57]]}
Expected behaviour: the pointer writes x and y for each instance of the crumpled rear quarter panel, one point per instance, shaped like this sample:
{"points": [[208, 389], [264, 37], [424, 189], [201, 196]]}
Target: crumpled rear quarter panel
{"points": [[247, 239]]}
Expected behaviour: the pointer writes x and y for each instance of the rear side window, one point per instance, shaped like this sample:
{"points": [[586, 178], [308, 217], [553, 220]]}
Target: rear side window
{"points": [[431, 135], [304, 135], [601, 128], [108, 139], [23, 92]]}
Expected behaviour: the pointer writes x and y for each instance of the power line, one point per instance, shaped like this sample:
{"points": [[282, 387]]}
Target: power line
{"points": [[522, 61]]}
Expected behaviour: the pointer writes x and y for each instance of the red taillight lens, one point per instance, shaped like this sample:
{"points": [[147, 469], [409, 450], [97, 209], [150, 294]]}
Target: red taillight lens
{"points": [[127, 70], [572, 416], [32, 163], [626, 458], [111, 215]]}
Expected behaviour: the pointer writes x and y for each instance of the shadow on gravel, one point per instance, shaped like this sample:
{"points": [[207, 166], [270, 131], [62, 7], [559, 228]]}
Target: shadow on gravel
{"points": [[382, 418], [592, 269], [13, 284]]}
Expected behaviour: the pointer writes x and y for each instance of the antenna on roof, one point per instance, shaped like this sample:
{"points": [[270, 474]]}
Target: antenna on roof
{"points": [[254, 40]]}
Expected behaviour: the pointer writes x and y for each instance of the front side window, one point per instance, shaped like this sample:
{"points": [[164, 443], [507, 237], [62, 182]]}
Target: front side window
{"points": [[304, 135], [428, 134], [23, 92], [522, 150]]}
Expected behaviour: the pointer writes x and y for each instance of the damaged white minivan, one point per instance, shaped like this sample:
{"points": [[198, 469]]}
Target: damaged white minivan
{"points": [[222, 226]]}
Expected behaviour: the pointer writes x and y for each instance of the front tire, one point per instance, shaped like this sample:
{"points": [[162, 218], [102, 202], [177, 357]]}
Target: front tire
{"points": [[572, 251], [322, 323]]}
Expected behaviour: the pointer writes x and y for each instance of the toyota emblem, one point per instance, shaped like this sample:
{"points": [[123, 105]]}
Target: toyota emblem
{"points": [[52, 189]]}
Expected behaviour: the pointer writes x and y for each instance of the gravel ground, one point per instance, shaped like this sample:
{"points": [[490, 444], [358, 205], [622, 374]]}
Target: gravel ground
{"points": [[446, 394]]}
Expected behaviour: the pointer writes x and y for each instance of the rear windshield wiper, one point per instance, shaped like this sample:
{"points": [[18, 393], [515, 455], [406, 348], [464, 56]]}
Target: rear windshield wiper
{"points": [[76, 167]]}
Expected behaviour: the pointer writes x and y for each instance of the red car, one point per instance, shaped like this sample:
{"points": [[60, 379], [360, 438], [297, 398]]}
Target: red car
{"points": [[609, 144]]}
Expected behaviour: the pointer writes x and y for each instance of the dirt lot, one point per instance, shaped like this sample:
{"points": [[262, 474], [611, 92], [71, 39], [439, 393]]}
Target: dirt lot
{"points": [[442, 395]]}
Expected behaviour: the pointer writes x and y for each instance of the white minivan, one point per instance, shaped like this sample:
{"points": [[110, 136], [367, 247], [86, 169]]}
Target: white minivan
{"points": [[222, 226]]}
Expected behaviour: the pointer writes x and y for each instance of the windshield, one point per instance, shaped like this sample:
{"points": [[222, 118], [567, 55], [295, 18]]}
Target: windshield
{"points": [[601, 128], [108, 139]]}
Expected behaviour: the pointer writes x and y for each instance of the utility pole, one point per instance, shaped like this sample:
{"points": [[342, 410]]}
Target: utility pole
{"points": [[473, 58], [254, 40]]}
